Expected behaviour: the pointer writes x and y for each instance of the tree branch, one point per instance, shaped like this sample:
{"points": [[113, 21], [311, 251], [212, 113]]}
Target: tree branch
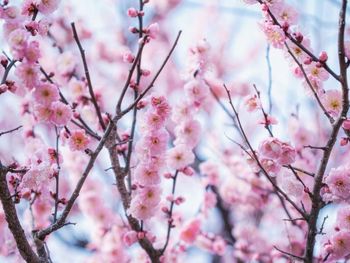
{"points": [[87, 75], [13, 222]]}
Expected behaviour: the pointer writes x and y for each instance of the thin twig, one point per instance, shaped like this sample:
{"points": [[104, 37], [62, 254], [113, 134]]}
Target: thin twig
{"points": [[9, 131], [150, 85], [88, 78], [170, 213]]}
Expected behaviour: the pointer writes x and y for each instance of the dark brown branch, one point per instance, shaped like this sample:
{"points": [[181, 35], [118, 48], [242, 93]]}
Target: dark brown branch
{"points": [[88, 78], [131, 72], [119, 174], [13, 222], [9, 131], [136, 93], [317, 201], [7, 70], [57, 175]]}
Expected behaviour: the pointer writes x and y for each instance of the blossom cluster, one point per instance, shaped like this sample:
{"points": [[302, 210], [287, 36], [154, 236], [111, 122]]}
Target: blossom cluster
{"points": [[150, 151], [273, 154]]}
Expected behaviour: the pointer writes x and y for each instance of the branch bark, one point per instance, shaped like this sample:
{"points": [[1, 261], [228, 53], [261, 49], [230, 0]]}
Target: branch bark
{"points": [[13, 222], [316, 201]]}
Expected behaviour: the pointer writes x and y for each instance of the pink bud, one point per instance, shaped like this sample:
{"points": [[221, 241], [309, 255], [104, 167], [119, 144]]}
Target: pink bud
{"points": [[141, 235], [323, 56], [141, 104], [179, 200], [133, 30], [168, 175], [128, 57], [307, 61], [165, 209], [299, 37], [132, 12], [285, 26], [264, 7], [319, 64], [145, 72], [188, 171], [76, 115], [346, 124], [130, 237], [3, 61], [344, 141]]}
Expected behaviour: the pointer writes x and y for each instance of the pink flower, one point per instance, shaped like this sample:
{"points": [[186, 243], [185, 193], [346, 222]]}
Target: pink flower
{"points": [[315, 72], [141, 210], [182, 111], [271, 148], [343, 218], [32, 52], [66, 63], [17, 41], [150, 194], [219, 246], [196, 91], [130, 238], [252, 103], [188, 132], [340, 243], [43, 26], [28, 7], [36, 177], [43, 112], [156, 141], [46, 94], [28, 73], [338, 182], [153, 121], [146, 175], [285, 13], [61, 114], [211, 170], [161, 106], [332, 101], [270, 166], [288, 155], [48, 6], [78, 141], [291, 186], [190, 231], [179, 157], [275, 35]]}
